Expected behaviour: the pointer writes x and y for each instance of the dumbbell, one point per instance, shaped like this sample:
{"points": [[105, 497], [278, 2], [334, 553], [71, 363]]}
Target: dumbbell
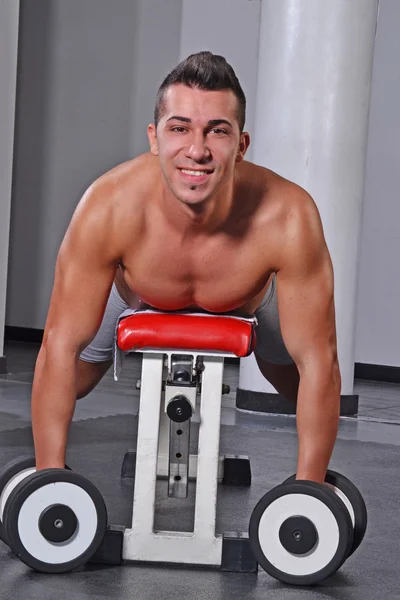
{"points": [[53, 520], [301, 532]]}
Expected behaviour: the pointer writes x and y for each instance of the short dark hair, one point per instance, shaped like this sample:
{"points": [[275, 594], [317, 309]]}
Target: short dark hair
{"points": [[206, 71]]}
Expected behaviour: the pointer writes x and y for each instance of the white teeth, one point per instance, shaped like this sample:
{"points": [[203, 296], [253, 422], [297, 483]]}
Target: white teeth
{"points": [[196, 173]]}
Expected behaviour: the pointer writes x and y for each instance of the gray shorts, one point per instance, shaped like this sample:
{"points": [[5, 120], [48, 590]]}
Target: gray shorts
{"points": [[270, 345]]}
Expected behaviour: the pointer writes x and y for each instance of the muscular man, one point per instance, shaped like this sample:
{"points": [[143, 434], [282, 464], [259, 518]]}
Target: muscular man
{"points": [[191, 224]]}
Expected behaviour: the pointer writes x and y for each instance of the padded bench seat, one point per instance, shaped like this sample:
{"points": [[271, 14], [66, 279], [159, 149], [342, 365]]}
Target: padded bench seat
{"points": [[145, 330]]}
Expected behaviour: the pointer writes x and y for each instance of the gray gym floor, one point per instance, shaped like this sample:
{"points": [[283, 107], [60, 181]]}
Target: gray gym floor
{"points": [[104, 428]]}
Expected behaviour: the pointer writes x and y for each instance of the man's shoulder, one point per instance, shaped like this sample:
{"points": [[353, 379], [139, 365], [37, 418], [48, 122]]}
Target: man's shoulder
{"points": [[272, 181], [115, 199], [129, 176], [278, 195]]}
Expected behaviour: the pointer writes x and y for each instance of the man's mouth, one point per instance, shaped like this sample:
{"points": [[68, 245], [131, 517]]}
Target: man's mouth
{"points": [[196, 172], [196, 175]]}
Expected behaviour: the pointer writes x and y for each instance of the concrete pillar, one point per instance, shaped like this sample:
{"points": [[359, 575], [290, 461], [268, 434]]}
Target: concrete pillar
{"points": [[9, 15], [312, 106]]}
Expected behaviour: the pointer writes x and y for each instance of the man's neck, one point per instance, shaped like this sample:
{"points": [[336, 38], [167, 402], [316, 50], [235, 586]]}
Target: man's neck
{"points": [[201, 218]]}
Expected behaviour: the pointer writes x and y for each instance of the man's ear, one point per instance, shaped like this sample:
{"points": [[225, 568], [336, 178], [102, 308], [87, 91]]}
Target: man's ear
{"points": [[152, 135], [243, 145]]}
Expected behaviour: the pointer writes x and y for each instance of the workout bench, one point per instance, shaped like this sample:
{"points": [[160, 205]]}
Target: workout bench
{"points": [[183, 357]]}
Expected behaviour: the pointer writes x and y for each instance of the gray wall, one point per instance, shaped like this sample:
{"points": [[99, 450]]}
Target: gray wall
{"points": [[378, 320], [87, 77], [9, 10], [156, 53]]}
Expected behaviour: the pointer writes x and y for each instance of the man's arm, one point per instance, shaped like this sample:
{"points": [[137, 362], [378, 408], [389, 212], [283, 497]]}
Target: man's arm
{"points": [[305, 288], [84, 274]]}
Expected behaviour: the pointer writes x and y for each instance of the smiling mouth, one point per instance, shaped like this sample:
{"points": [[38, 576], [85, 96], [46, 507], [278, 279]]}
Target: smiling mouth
{"points": [[196, 172]]}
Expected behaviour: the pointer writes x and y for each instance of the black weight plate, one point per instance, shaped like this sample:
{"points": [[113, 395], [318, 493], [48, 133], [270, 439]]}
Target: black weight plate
{"points": [[356, 500], [27, 503], [11, 469], [341, 523]]}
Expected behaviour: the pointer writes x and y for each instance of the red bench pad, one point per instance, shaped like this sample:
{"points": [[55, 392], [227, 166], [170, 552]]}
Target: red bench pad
{"points": [[171, 331]]}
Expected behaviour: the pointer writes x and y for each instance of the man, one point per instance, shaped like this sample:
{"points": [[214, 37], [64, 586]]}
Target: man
{"points": [[192, 225]]}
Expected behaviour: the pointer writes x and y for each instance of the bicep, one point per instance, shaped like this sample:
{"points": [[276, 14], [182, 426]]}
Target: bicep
{"points": [[305, 289]]}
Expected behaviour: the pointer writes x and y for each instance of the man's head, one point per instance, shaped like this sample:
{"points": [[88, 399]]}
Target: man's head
{"points": [[198, 126], [204, 71]]}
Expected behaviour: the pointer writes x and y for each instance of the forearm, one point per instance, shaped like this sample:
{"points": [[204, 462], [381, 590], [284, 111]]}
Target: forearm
{"points": [[53, 405], [318, 410]]}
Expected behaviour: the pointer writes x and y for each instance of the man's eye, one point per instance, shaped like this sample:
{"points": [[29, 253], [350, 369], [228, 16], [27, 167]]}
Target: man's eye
{"points": [[218, 131], [178, 129]]}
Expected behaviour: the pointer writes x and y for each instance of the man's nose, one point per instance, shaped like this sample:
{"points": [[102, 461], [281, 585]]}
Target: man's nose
{"points": [[197, 149]]}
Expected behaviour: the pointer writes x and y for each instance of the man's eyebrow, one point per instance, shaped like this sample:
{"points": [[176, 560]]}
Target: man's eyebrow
{"points": [[211, 123], [175, 118], [215, 122]]}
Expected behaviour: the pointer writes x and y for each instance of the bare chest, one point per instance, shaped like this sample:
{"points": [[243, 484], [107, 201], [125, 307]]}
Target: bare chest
{"points": [[221, 275]]}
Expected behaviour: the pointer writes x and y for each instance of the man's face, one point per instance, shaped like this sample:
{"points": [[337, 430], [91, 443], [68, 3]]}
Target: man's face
{"points": [[198, 141]]}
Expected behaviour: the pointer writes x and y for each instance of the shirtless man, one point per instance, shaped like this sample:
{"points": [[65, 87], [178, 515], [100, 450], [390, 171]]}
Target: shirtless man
{"points": [[191, 224]]}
